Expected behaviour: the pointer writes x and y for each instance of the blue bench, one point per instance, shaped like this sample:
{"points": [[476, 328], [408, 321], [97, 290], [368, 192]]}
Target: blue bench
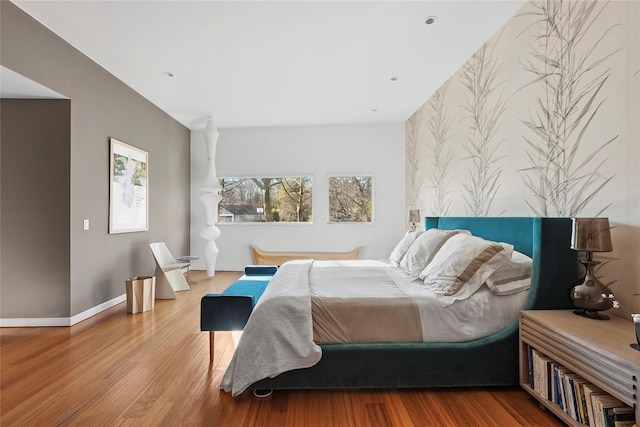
{"points": [[230, 310]]}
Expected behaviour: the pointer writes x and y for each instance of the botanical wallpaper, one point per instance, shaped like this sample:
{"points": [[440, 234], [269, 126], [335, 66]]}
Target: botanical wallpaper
{"points": [[543, 120], [565, 172], [484, 107]]}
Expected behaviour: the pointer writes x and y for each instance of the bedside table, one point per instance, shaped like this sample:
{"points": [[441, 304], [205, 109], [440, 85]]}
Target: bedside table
{"points": [[188, 259], [597, 350]]}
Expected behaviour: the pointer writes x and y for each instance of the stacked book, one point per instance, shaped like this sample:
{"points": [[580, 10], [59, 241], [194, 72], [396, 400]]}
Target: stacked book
{"points": [[581, 400]]}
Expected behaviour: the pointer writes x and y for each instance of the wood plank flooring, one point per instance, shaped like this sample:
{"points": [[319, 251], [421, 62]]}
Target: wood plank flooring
{"points": [[152, 369]]}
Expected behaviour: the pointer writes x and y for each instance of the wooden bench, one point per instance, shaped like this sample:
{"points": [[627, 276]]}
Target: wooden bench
{"points": [[261, 257], [230, 309]]}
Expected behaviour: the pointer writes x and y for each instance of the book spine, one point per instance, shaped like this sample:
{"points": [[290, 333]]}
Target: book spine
{"points": [[579, 399]]}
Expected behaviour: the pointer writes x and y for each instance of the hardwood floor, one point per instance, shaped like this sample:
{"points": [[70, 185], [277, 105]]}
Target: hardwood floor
{"points": [[152, 369]]}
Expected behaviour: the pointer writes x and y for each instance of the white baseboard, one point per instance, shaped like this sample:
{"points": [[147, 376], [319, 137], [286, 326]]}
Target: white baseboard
{"points": [[61, 321], [21, 322]]}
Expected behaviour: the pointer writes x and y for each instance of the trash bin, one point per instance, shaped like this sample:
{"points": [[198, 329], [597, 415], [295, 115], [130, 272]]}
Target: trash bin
{"points": [[141, 293]]}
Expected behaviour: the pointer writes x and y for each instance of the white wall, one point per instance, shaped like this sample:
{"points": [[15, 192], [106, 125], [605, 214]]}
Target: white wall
{"points": [[310, 151]]}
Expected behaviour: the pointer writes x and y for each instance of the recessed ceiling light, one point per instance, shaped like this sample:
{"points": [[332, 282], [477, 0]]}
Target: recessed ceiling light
{"points": [[168, 73], [430, 20]]}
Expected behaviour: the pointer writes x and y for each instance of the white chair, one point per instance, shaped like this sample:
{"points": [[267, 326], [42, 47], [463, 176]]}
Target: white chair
{"points": [[169, 277]]}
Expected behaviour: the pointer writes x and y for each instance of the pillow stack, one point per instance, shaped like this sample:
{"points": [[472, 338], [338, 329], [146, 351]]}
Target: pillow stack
{"points": [[402, 247], [513, 277], [463, 264], [424, 248], [454, 264]]}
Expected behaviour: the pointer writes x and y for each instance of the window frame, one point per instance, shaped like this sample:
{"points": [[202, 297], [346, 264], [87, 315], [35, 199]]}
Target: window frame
{"points": [[371, 175], [276, 176]]}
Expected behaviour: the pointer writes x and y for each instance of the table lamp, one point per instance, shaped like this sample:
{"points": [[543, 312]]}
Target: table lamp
{"points": [[414, 218], [591, 235]]}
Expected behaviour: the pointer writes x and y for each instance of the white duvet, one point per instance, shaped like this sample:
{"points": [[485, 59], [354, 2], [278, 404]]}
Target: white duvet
{"points": [[476, 316], [279, 334]]}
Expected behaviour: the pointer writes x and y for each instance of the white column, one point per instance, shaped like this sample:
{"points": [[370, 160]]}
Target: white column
{"points": [[210, 198]]}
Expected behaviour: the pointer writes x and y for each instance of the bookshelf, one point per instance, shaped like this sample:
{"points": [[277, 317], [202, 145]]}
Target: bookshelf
{"points": [[598, 351]]}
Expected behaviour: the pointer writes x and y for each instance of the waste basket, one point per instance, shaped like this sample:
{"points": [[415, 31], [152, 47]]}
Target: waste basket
{"points": [[141, 293]]}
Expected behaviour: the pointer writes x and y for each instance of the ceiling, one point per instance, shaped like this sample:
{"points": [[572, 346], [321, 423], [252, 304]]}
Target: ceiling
{"points": [[14, 85], [277, 63]]}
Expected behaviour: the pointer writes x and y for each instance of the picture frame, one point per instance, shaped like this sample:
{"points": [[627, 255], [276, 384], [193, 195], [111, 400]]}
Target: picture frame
{"points": [[128, 188]]}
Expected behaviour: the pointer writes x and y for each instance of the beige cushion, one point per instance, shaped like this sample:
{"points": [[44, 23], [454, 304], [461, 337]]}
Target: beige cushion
{"points": [[512, 277], [424, 248], [463, 264]]}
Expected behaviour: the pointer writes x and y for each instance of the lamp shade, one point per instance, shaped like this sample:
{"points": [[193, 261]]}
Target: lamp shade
{"points": [[414, 215], [591, 235]]}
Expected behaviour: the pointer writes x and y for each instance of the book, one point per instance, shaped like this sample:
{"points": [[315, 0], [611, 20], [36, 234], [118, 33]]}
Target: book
{"points": [[578, 385], [624, 416], [588, 390], [530, 360], [541, 364], [601, 405], [562, 371], [554, 383], [571, 395], [546, 364]]}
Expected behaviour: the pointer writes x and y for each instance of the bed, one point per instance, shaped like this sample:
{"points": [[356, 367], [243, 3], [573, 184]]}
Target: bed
{"points": [[490, 360]]}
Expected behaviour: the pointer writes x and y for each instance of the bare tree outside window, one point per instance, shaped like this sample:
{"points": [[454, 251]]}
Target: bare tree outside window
{"points": [[284, 199], [351, 198]]}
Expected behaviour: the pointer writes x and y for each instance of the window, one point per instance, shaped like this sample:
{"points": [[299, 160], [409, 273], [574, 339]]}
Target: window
{"points": [[285, 199], [351, 198]]}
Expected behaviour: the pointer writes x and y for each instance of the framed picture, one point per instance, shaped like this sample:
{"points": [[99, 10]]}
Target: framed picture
{"points": [[128, 188]]}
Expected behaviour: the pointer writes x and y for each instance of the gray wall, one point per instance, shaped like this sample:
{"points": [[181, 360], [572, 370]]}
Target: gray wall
{"points": [[101, 107], [35, 208]]}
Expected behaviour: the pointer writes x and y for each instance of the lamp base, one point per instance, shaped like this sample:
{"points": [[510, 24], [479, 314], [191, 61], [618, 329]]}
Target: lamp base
{"points": [[591, 296], [591, 314]]}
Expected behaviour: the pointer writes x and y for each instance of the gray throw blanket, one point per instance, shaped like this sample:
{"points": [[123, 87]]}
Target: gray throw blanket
{"points": [[279, 334]]}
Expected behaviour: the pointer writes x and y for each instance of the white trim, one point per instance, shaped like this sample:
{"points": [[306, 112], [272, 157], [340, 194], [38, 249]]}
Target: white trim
{"points": [[61, 321], [39, 321], [97, 309]]}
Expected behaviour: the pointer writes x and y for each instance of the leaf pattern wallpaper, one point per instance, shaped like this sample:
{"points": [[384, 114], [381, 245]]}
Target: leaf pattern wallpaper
{"points": [[414, 160], [572, 75], [440, 153], [485, 108], [428, 151], [543, 120]]}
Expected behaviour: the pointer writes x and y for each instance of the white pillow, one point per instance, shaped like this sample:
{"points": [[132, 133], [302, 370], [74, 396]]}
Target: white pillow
{"points": [[513, 277], [424, 248], [462, 265], [402, 247]]}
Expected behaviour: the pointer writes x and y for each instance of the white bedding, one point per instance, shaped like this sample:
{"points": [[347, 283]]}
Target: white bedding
{"points": [[279, 334], [476, 316]]}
